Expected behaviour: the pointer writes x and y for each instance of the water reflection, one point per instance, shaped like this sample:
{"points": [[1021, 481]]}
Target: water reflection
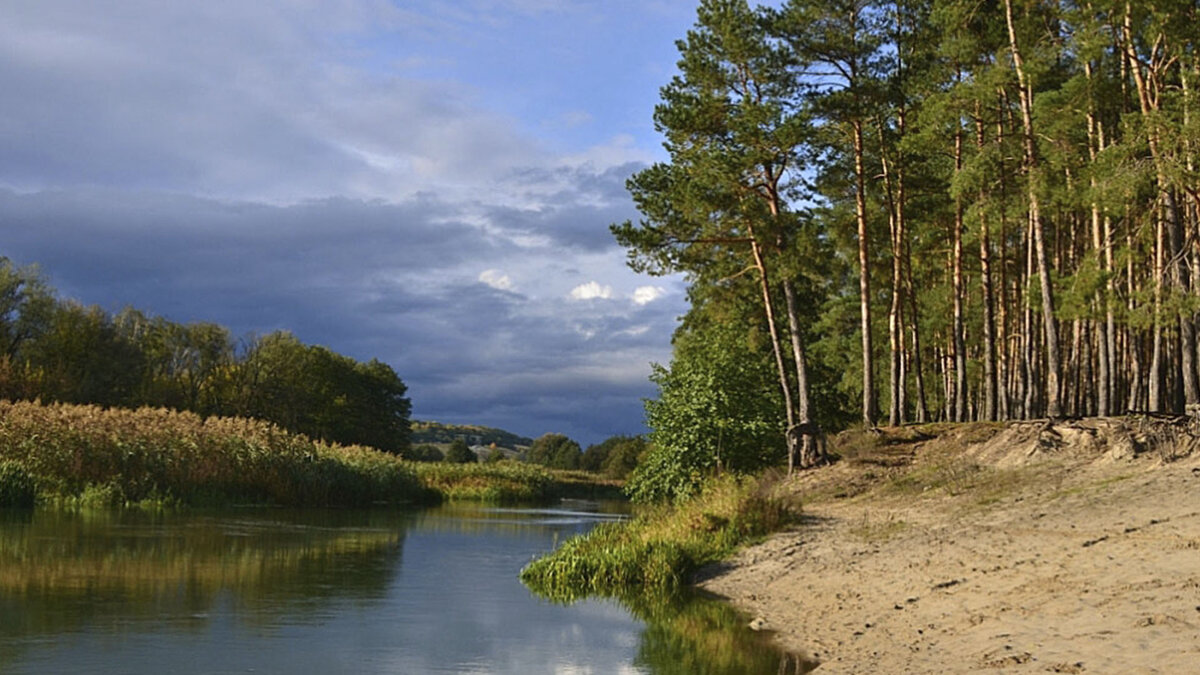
{"points": [[332, 591], [60, 571], [690, 634]]}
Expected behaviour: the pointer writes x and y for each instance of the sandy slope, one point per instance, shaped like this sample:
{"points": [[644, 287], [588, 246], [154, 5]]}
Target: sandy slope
{"points": [[1073, 548]]}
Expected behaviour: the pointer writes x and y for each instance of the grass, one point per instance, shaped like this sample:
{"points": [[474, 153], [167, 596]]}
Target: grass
{"points": [[504, 482], [87, 456], [659, 549], [879, 529]]}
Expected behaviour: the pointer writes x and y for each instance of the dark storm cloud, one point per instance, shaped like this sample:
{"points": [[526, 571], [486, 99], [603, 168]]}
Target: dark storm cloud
{"points": [[398, 282], [136, 243], [286, 166], [576, 214]]}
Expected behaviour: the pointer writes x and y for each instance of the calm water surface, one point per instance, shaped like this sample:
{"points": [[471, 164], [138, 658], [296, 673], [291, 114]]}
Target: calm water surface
{"points": [[271, 591]]}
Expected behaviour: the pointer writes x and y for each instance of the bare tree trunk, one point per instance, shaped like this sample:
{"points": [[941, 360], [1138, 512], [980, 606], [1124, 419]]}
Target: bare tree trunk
{"points": [[985, 283], [1135, 361], [1027, 388], [869, 402], [1148, 98], [810, 449], [1008, 354], [915, 329], [895, 336], [1053, 390], [1156, 398], [776, 348], [960, 343], [1095, 133]]}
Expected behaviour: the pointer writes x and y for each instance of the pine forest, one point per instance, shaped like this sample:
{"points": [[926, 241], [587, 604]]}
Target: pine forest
{"points": [[910, 211]]}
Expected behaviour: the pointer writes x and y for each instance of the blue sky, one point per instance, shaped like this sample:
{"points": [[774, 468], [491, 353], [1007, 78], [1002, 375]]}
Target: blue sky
{"points": [[427, 183]]}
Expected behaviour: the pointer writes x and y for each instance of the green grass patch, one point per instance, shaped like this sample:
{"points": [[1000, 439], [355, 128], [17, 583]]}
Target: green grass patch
{"points": [[661, 547]]}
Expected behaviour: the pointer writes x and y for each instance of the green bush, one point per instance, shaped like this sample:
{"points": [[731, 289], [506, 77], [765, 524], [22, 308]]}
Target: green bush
{"points": [[17, 486]]}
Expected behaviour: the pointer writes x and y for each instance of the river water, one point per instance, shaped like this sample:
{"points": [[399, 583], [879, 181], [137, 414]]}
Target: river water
{"points": [[321, 591]]}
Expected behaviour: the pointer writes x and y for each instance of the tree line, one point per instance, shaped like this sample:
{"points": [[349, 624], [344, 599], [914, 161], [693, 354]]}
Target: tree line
{"points": [[58, 350], [915, 210]]}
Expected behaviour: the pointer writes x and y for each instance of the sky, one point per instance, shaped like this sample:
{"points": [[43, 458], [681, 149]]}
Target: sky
{"points": [[426, 182]]}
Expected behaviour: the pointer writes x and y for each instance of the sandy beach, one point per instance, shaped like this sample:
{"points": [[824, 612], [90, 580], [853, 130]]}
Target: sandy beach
{"points": [[1070, 548]]}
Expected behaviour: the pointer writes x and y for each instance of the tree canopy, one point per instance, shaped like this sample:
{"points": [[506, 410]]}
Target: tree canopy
{"points": [[555, 451], [944, 210], [59, 350], [460, 453]]}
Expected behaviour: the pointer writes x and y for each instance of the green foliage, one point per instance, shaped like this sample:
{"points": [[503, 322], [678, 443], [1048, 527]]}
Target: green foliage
{"points": [[460, 453], [17, 486], [61, 351], [624, 458], [501, 482], [614, 457], [437, 432], [715, 411], [660, 549], [315, 391], [555, 451], [425, 452]]}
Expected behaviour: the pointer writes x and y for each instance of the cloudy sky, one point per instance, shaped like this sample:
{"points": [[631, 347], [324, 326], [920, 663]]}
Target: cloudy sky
{"points": [[427, 182]]}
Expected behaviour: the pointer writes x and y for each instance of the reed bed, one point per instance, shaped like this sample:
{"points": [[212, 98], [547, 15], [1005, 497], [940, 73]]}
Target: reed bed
{"points": [[505, 482], [81, 455], [87, 455], [660, 549]]}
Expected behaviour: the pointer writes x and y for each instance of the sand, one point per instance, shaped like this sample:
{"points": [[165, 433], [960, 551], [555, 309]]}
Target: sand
{"points": [[1071, 548]]}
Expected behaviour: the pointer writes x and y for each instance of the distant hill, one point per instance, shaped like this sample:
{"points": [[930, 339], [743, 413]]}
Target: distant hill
{"points": [[438, 433]]}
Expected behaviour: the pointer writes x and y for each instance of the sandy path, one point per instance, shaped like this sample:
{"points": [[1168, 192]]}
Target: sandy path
{"points": [[1090, 567]]}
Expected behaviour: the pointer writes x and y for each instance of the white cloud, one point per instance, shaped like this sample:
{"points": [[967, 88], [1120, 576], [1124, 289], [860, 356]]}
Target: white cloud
{"points": [[496, 279], [645, 295], [590, 291]]}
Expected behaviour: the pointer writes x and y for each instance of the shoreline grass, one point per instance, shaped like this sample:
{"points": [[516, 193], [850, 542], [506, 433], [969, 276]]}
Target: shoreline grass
{"points": [[660, 549], [76, 456]]}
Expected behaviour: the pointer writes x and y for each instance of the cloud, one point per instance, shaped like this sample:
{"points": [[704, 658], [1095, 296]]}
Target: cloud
{"points": [[591, 291], [247, 101], [496, 279], [644, 295], [420, 182], [394, 281]]}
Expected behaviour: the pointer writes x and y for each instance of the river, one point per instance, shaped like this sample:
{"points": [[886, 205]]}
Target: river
{"points": [[327, 591]]}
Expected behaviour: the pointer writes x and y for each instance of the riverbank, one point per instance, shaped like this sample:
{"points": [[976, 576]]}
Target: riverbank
{"points": [[77, 456], [1072, 547], [656, 552]]}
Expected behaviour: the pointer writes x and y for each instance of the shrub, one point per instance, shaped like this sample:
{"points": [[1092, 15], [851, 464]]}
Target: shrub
{"points": [[460, 453], [17, 486]]}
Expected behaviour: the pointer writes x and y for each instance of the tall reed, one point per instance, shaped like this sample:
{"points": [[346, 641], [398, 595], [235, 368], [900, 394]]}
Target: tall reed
{"points": [[120, 456], [662, 547]]}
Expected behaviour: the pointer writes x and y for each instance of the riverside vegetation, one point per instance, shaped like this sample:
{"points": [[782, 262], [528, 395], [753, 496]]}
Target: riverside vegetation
{"points": [[1002, 193], [658, 550], [83, 455]]}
